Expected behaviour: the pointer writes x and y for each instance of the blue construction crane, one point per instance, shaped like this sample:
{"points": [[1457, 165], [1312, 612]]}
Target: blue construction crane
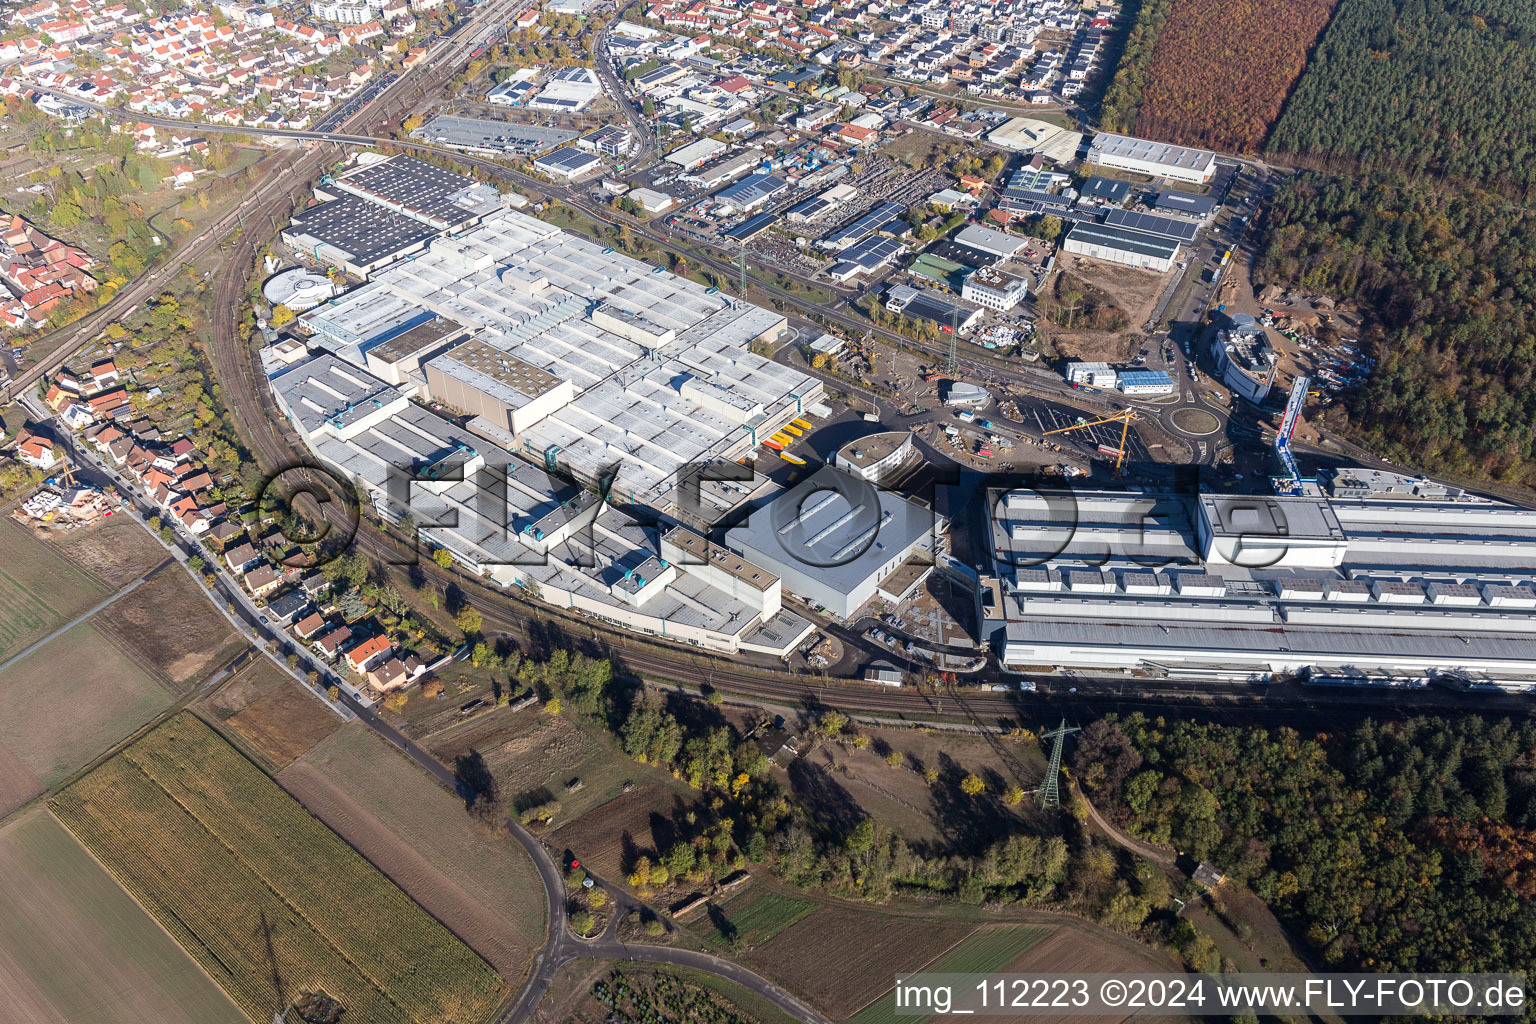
{"points": [[1290, 482]]}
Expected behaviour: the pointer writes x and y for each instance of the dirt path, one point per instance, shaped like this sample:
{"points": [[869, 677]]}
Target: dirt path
{"points": [[1159, 855]]}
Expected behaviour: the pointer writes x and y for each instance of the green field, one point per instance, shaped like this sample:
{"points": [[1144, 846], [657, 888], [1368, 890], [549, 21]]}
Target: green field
{"points": [[76, 949], [983, 951], [39, 590], [268, 900], [758, 918]]}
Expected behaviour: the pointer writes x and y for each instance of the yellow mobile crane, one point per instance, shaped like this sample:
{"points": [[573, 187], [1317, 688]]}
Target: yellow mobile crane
{"points": [[1125, 417]]}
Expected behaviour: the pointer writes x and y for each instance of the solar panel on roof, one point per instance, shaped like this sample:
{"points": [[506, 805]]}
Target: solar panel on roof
{"points": [[1167, 227]]}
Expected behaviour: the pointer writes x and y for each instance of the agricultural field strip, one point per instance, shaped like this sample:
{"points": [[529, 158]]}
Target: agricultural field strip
{"points": [[272, 886], [988, 949], [117, 839], [82, 948], [763, 917], [21, 611], [260, 840], [984, 951], [402, 938]]}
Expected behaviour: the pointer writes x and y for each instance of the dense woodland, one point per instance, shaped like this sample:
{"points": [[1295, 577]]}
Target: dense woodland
{"points": [[1450, 277], [1394, 847], [1440, 87], [1221, 70], [1212, 73], [1122, 97]]}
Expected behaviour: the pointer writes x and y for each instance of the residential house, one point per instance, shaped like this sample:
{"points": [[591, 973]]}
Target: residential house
{"points": [[314, 584], [240, 559], [104, 374], [186, 511], [309, 627], [262, 580], [35, 451], [287, 606], [369, 654], [226, 531], [395, 673], [331, 644]]}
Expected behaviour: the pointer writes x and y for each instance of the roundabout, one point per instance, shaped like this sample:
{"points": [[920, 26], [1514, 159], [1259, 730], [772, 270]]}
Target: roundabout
{"points": [[1195, 421]]}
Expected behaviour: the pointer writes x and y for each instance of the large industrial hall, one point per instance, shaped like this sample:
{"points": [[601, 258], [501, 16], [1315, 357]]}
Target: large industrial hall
{"points": [[542, 407], [1364, 582]]}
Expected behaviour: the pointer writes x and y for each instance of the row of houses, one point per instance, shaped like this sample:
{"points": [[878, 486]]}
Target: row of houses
{"points": [[984, 44], [239, 70], [39, 272], [169, 471], [296, 599]]}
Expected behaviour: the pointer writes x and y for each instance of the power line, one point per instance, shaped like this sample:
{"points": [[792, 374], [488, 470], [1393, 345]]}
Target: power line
{"points": [[1049, 793]]}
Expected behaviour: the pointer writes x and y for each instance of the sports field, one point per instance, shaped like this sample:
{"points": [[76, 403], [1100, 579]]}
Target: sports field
{"points": [[66, 703], [471, 876], [266, 898], [76, 949], [39, 590]]}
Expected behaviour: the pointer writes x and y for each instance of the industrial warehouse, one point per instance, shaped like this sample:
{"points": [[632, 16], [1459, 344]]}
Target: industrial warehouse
{"points": [[383, 209], [612, 380], [1368, 583], [1158, 159]]}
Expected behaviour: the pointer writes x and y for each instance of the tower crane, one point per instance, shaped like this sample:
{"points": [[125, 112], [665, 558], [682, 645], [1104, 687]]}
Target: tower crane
{"points": [[1125, 417]]}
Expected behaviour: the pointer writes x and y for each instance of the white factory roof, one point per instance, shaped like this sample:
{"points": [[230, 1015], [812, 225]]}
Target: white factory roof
{"points": [[696, 152], [1099, 571], [412, 440], [1165, 154], [836, 527], [591, 561], [327, 390], [530, 290], [1030, 135], [990, 240]]}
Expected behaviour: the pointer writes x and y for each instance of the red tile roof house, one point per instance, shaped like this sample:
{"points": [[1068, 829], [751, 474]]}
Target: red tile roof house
{"points": [[154, 477], [103, 435], [191, 517], [108, 403], [196, 481], [35, 451], [105, 373], [369, 654]]}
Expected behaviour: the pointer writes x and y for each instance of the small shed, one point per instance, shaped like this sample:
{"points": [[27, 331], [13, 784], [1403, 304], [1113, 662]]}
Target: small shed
{"points": [[1208, 877]]}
